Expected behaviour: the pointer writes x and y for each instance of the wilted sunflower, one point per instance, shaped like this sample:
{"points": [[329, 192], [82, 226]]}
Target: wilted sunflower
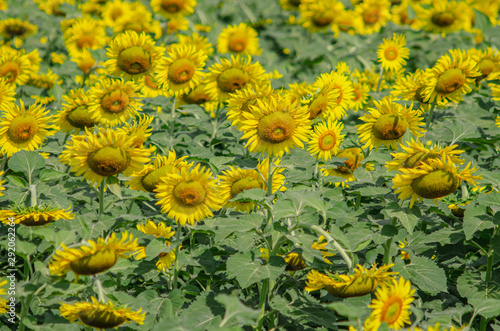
{"points": [[7, 93], [113, 101], [35, 216], [354, 157], [450, 78], [275, 126], [392, 305], [181, 70], [239, 39], [22, 128], [374, 15], [93, 257], [189, 196], [148, 178], [99, 315], [326, 139], [103, 154], [230, 75], [132, 55], [241, 100], [74, 114], [362, 282], [432, 179], [15, 67], [393, 53], [387, 123], [443, 16], [85, 33], [172, 8], [15, 28], [319, 15]]}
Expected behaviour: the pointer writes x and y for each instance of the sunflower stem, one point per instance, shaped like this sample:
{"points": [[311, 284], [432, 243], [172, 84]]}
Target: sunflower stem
{"points": [[215, 122], [101, 295], [101, 198], [339, 248], [177, 247], [429, 117], [262, 303], [270, 178], [489, 268], [387, 248], [172, 125], [380, 77], [33, 195]]}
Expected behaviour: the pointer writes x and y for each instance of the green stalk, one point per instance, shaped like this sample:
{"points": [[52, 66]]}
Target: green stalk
{"points": [[270, 178], [172, 125], [101, 198], [429, 116], [337, 246], [489, 268], [262, 303], [33, 195], [387, 248], [101, 295], [177, 247], [379, 83]]}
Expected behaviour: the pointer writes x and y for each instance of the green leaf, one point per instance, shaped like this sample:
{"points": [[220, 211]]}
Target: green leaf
{"points": [[57, 92], [404, 215], [248, 270], [49, 174], [114, 186], [352, 307], [256, 195], [26, 162], [472, 286], [481, 21], [476, 219], [424, 273], [236, 312], [486, 307], [17, 181]]}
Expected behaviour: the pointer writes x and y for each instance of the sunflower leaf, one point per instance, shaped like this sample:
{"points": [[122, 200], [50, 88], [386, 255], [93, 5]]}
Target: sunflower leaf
{"points": [[404, 215], [424, 273], [486, 307], [236, 311], [249, 270], [26, 162]]}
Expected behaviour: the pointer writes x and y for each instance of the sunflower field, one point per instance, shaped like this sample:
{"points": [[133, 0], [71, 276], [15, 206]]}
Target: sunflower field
{"points": [[250, 165]]}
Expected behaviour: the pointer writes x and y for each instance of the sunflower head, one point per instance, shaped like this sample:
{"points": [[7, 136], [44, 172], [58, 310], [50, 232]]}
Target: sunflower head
{"points": [[326, 139], [239, 39]]}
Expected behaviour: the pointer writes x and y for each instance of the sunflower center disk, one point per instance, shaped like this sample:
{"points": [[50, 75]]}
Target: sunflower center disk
{"points": [[85, 42], [197, 96], [436, 184], [232, 79], [276, 127], [115, 102], [181, 71], [108, 161], [322, 19], [95, 263], [371, 16], [390, 127], [10, 71], [22, 129], [171, 6], [237, 43], [486, 67], [80, 118], [443, 19], [391, 53], [44, 219], [15, 30], [392, 311], [245, 184], [152, 179], [189, 193], [150, 82], [134, 60], [450, 81], [359, 287], [317, 106], [134, 26], [415, 159], [327, 140], [102, 319]]}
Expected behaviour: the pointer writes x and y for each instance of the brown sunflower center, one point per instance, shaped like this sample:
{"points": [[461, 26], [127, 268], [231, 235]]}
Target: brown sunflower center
{"points": [[22, 129], [354, 157], [317, 106], [80, 118], [276, 127], [152, 179], [150, 82], [108, 161], [42, 220], [243, 184], [359, 287], [10, 71], [134, 60], [85, 42], [486, 66], [190, 193], [181, 71], [115, 101], [450, 81], [237, 43], [392, 310], [390, 127], [172, 6], [436, 184], [391, 53], [15, 30], [327, 140], [197, 96], [102, 319], [116, 13], [371, 16], [357, 95], [443, 19], [232, 79], [322, 19], [95, 263]]}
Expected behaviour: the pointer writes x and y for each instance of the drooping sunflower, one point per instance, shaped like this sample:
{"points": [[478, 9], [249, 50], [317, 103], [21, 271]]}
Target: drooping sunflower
{"points": [[326, 139], [443, 16], [432, 179], [488, 61], [181, 70], [230, 75], [239, 39], [450, 78], [172, 8], [354, 157], [45, 81], [148, 178], [103, 154], [15, 67], [393, 53], [35, 216], [275, 126], [53, 7], [392, 305], [74, 114], [374, 15], [94, 257], [132, 55], [100, 315], [241, 100], [363, 281], [319, 15], [387, 123], [189, 196], [7, 93], [85, 33], [113, 101], [15, 28], [22, 128]]}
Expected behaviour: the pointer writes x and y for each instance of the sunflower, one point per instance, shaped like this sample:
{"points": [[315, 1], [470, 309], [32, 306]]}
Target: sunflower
{"points": [[15, 67], [392, 53], [392, 305], [35, 216], [1, 182], [181, 70], [326, 139], [199, 42], [189, 196], [113, 10], [362, 282], [370, 78], [354, 157], [374, 15], [432, 179], [230, 75], [319, 15], [387, 123], [290, 4], [241, 100], [7, 94], [103, 154], [150, 88], [22, 128], [275, 126], [3, 302], [488, 61], [139, 130], [340, 93], [298, 91], [361, 95], [416, 153], [132, 55], [113, 101], [74, 114], [15, 28], [53, 7], [93, 257], [148, 178], [160, 230], [45, 81], [198, 96], [100, 315], [450, 78], [176, 24], [320, 245], [85, 33], [411, 88], [139, 19], [239, 39], [172, 8], [443, 16]]}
